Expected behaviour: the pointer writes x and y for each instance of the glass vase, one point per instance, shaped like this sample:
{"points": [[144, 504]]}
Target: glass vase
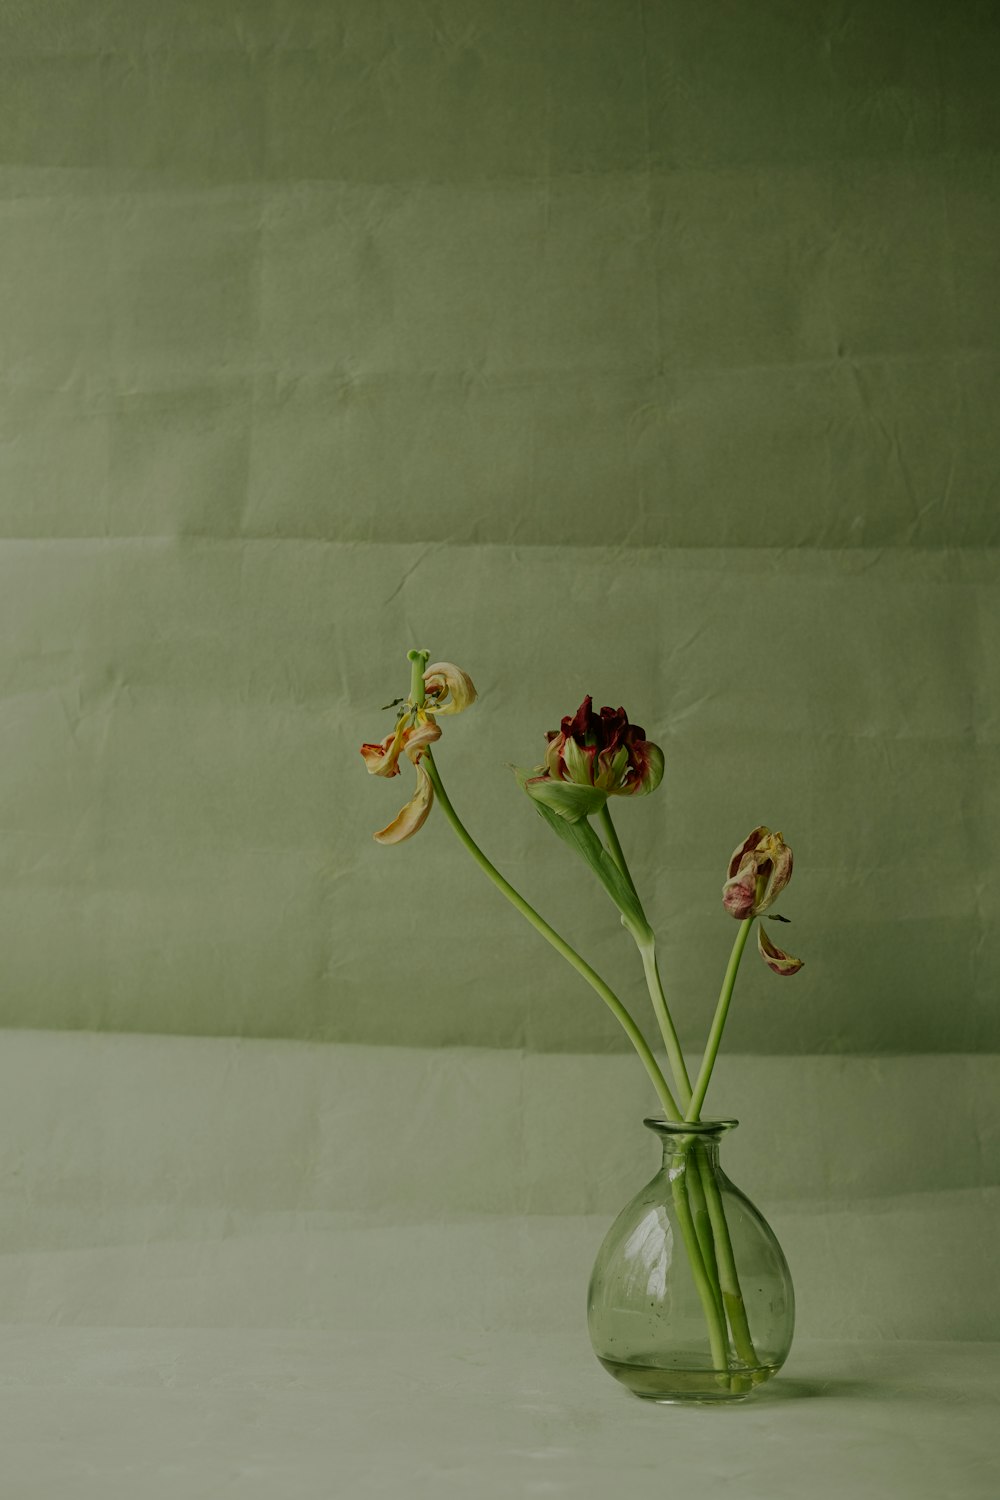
{"points": [[690, 1298]]}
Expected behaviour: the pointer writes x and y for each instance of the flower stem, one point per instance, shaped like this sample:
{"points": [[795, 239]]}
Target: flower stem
{"points": [[727, 1278], [614, 844], [418, 666], [719, 1021], [647, 952], [707, 1291], [706, 1238], [610, 999]]}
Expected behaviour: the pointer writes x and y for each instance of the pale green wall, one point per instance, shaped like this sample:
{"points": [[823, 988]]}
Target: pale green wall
{"points": [[644, 349]]}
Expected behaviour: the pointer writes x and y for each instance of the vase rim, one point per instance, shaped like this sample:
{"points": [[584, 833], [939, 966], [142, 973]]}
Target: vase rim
{"points": [[689, 1127]]}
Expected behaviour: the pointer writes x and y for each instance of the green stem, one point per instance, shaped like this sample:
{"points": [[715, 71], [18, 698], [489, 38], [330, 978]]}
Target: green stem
{"points": [[719, 1021], [647, 951], [726, 1274], [706, 1239], [610, 999], [727, 1279], [702, 1210], [614, 844], [418, 666], [706, 1291]]}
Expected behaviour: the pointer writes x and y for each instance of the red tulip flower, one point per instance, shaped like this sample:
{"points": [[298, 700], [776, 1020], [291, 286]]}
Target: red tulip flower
{"points": [[593, 757]]}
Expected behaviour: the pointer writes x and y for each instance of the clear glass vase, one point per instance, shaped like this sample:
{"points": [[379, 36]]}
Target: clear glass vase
{"points": [[690, 1298]]}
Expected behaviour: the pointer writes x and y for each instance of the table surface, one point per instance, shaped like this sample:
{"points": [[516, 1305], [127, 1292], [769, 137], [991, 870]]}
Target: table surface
{"points": [[286, 1414]]}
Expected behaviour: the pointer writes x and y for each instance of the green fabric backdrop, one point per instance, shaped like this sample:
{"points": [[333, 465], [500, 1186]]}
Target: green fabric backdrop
{"points": [[647, 350]]}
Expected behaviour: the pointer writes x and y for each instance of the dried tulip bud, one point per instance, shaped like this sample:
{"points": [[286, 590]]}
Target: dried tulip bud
{"points": [[759, 870]]}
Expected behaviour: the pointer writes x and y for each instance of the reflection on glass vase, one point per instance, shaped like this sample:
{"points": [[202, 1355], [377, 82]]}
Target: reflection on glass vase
{"points": [[690, 1298]]}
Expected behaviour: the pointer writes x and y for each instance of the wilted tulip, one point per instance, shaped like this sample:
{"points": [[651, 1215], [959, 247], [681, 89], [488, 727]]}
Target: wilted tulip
{"points": [[447, 690], [593, 757], [760, 868]]}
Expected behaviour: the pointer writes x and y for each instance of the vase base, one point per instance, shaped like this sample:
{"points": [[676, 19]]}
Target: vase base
{"points": [[681, 1386]]}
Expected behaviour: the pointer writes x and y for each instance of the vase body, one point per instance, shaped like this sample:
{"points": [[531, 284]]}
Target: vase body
{"points": [[690, 1298]]}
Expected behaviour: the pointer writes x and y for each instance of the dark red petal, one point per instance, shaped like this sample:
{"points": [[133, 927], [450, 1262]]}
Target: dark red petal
{"points": [[577, 724]]}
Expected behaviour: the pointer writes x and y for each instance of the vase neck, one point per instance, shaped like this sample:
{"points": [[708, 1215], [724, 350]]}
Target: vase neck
{"points": [[681, 1142], [683, 1149]]}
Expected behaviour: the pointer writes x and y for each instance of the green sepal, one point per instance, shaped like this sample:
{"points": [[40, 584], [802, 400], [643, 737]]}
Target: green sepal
{"points": [[568, 800], [582, 837]]}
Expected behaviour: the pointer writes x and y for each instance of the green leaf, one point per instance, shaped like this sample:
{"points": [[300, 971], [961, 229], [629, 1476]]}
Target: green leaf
{"points": [[582, 837], [567, 799]]}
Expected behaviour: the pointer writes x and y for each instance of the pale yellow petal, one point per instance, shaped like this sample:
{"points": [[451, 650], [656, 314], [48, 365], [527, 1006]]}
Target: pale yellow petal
{"points": [[381, 759], [444, 680], [423, 735], [411, 817]]}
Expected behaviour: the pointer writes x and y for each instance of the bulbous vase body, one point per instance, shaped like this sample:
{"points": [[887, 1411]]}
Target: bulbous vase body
{"points": [[690, 1298]]}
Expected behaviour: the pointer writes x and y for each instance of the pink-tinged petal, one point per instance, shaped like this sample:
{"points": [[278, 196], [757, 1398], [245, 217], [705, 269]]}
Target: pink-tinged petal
{"points": [[749, 843], [411, 817], [738, 893], [776, 958], [443, 680], [382, 760]]}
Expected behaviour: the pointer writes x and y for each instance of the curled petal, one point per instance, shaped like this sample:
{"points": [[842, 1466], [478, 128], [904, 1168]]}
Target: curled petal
{"points": [[647, 761], [749, 843], [777, 868], [411, 817], [383, 759], [444, 679], [775, 958], [425, 733], [553, 757]]}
